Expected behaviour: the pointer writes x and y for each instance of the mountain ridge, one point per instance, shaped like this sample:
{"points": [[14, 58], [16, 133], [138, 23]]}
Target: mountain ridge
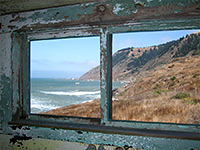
{"points": [[130, 61]]}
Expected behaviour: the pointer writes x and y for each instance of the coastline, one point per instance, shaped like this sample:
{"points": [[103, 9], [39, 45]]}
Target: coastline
{"points": [[169, 93]]}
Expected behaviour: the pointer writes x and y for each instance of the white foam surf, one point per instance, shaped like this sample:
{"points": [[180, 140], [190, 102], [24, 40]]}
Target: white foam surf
{"points": [[80, 93], [41, 105]]}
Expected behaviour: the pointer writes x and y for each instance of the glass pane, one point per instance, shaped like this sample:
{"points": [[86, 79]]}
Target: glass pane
{"points": [[59, 85], [161, 76]]}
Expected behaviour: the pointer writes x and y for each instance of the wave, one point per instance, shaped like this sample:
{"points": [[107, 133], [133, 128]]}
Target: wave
{"points": [[71, 93], [41, 105], [44, 107]]}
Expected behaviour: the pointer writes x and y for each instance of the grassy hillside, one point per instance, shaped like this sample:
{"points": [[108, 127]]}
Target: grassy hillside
{"points": [[167, 93], [164, 84], [131, 61]]}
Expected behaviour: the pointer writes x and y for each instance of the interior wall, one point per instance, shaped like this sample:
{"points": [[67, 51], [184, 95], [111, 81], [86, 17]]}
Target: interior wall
{"points": [[87, 14]]}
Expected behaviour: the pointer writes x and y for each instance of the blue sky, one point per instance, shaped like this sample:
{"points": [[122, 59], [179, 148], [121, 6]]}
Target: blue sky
{"points": [[64, 58], [144, 39], [72, 57]]}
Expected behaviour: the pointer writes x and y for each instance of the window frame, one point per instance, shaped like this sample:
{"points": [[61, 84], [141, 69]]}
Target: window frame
{"points": [[21, 82], [160, 26], [21, 70]]}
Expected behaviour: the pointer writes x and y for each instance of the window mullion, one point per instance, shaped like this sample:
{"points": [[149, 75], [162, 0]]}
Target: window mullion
{"points": [[105, 75]]}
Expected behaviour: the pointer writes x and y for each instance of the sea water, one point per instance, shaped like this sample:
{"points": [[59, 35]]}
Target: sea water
{"points": [[48, 94]]}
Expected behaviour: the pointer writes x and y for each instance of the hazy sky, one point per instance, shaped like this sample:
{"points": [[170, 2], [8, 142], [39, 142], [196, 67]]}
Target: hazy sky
{"points": [[72, 57], [64, 58]]}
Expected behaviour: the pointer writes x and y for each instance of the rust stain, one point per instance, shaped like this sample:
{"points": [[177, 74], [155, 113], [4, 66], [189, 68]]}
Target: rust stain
{"points": [[66, 17], [85, 7], [138, 5], [16, 19], [11, 27]]}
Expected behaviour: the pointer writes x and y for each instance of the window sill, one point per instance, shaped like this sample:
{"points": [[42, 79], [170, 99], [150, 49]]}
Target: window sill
{"points": [[109, 130]]}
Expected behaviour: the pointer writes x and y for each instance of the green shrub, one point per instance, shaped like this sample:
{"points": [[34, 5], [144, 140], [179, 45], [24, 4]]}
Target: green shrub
{"points": [[173, 78], [171, 66], [191, 100], [181, 96], [175, 60], [194, 76], [160, 91]]}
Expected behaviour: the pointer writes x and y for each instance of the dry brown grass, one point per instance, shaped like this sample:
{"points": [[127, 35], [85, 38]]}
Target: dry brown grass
{"points": [[138, 101], [156, 109], [87, 109]]}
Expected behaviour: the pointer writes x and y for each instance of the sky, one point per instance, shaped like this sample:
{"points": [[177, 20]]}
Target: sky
{"points": [[72, 57], [64, 58]]}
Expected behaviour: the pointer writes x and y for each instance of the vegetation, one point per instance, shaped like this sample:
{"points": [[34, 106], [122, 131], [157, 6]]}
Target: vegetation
{"points": [[129, 61], [178, 48], [141, 102], [192, 100], [173, 78], [181, 96], [192, 43], [157, 93], [196, 75], [155, 109], [160, 91]]}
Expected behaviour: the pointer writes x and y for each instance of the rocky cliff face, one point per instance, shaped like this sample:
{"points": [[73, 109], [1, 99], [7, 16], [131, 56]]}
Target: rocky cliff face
{"points": [[129, 62]]}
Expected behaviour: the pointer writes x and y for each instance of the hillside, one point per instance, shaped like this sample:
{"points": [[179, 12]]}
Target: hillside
{"points": [[169, 93], [131, 61], [163, 84]]}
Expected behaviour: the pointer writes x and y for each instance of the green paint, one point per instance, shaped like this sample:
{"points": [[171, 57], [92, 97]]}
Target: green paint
{"points": [[120, 8], [12, 89], [107, 139], [67, 13], [177, 11], [5, 99], [159, 26]]}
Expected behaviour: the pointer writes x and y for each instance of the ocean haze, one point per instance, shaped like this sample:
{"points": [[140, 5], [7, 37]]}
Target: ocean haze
{"points": [[55, 74]]}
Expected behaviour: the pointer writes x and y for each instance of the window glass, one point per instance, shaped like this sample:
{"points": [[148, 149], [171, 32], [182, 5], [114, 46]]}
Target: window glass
{"points": [[60, 82], [160, 73]]}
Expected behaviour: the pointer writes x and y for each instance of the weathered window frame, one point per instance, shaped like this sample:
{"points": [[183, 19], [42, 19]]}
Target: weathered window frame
{"points": [[147, 26], [21, 83], [21, 70]]}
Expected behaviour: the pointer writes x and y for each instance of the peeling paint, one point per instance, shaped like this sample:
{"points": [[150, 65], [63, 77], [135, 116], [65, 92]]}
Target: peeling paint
{"points": [[16, 139], [5, 94], [5, 51], [96, 18], [117, 8], [5, 74], [108, 139], [103, 75], [87, 14], [78, 31], [17, 19]]}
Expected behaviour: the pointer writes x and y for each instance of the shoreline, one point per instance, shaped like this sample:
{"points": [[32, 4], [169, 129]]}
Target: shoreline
{"points": [[152, 108]]}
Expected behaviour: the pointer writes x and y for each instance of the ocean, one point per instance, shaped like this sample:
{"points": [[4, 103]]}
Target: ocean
{"points": [[48, 94]]}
